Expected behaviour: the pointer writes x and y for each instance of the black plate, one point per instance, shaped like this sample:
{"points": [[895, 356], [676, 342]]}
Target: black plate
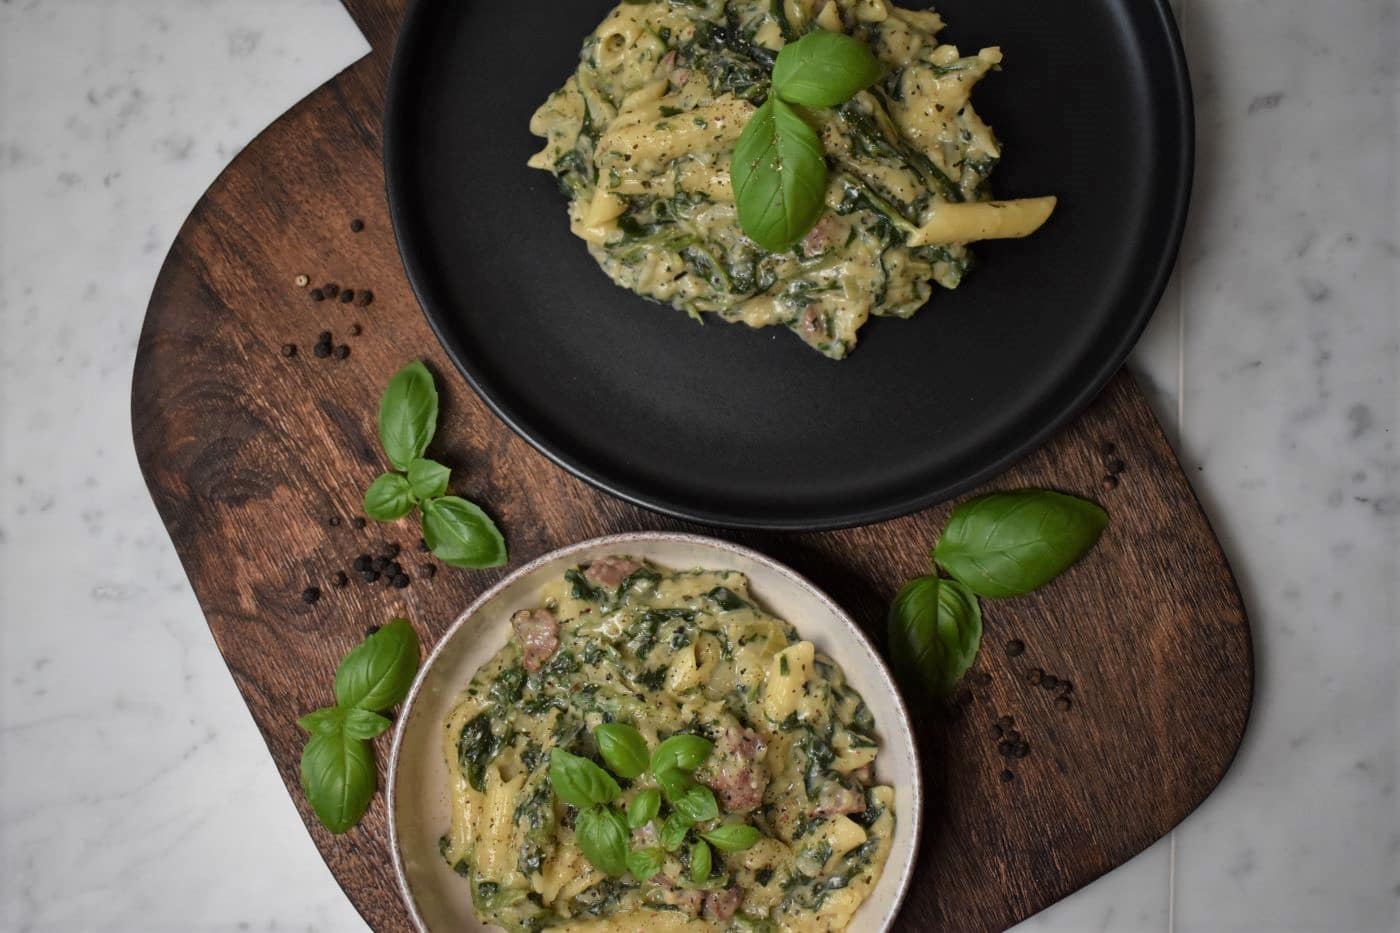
{"points": [[750, 428]]}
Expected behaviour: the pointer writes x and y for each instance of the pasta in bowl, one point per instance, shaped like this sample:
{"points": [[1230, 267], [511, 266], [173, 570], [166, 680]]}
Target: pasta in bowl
{"points": [[807, 753], [642, 136]]}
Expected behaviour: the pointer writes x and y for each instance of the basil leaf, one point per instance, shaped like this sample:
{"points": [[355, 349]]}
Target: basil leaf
{"points": [[362, 724], [732, 837], [337, 775], [673, 832], [327, 720], [602, 834], [682, 752], [1009, 543], [579, 782], [674, 782], [388, 498], [645, 863], [378, 673], [823, 69], [935, 630], [700, 862], [459, 533], [427, 479], [697, 804], [779, 176], [623, 749], [408, 413], [643, 808]]}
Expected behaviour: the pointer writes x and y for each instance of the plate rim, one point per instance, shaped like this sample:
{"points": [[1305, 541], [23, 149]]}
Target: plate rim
{"points": [[630, 538], [675, 505]]}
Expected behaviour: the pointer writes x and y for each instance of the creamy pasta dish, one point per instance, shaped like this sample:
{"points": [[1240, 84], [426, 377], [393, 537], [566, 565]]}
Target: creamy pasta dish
{"points": [[640, 139], [801, 827]]}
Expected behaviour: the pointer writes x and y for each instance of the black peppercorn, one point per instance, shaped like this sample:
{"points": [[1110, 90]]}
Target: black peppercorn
{"points": [[310, 595], [355, 330], [1050, 682], [1035, 676], [1013, 737], [1006, 748], [1015, 648], [361, 563], [369, 576], [1116, 466], [322, 351], [427, 570], [1062, 703], [964, 697], [356, 225], [996, 731], [366, 296], [423, 545], [391, 549], [340, 579], [342, 351], [400, 581], [331, 289], [347, 296], [1108, 449], [1023, 749], [325, 337], [1007, 777], [289, 349], [333, 521], [378, 564], [371, 630], [982, 678], [358, 522], [317, 295]]}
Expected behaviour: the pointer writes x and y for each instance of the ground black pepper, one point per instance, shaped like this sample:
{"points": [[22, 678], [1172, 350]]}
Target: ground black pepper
{"points": [[342, 351], [347, 296], [289, 349], [356, 225], [1015, 648], [1035, 676], [340, 579], [310, 594], [331, 289], [366, 296], [317, 295]]}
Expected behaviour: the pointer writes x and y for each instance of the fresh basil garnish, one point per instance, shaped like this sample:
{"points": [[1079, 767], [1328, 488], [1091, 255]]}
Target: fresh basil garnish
{"points": [[427, 479], [388, 498], [1010, 543], [683, 752], [377, 674], [602, 834], [459, 533], [700, 862], [408, 413], [645, 863], [779, 176], [623, 749], [935, 629], [824, 69], [732, 837], [362, 724], [643, 808], [337, 775], [697, 804], [673, 832], [579, 782], [778, 169]]}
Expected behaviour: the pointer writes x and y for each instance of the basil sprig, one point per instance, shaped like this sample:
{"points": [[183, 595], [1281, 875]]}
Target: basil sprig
{"points": [[603, 831], [999, 545], [458, 532], [779, 169], [337, 764]]}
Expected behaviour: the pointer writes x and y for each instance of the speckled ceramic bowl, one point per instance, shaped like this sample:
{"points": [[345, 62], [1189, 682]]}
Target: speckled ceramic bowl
{"points": [[419, 807]]}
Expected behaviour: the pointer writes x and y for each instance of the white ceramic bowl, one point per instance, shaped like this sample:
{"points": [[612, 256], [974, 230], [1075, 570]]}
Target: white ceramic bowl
{"points": [[419, 808]]}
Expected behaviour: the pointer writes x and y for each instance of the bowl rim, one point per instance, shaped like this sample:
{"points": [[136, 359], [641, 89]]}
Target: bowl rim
{"points": [[635, 538]]}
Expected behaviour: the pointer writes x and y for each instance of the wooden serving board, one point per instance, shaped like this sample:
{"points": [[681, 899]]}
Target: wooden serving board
{"points": [[249, 454]]}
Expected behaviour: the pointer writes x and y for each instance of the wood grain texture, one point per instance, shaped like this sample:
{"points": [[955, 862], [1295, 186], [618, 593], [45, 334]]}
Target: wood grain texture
{"points": [[248, 454]]}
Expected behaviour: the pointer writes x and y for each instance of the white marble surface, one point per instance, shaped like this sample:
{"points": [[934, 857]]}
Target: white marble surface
{"points": [[135, 794]]}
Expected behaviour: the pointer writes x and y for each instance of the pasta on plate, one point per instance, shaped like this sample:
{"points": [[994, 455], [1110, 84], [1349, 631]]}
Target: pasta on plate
{"points": [[794, 752], [640, 139]]}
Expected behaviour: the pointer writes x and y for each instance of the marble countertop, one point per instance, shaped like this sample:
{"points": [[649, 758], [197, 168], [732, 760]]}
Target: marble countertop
{"points": [[135, 793]]}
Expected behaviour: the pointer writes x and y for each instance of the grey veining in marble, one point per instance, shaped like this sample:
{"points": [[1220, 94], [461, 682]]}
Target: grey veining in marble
{"points": [[135, 794]]}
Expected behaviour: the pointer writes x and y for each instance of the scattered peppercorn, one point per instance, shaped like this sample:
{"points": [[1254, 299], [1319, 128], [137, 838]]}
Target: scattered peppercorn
{"points": [[355, 330], [303, 280], [322, 351], [1013, 737], [1035, 676], [356, 225], [331, 289], [1006, 722], [996, 731], [340, 579], [1062, 703], [391, 550], [1109, 483], [1108, 449], [1006, 749], [964, 697], [1050, 682], [1023, 749], [310, 595], [423, 545], [1066, 687], [369, 576], [428, 570], [289, 349], [347, 296], [1116, 466], [371, 630], [1007, 777], [324, 337], [317, 295], [342, 351], [1015, 648], [366, 297], [358, 522], [333, 521], [361, 563], [982, 678], [378, 564], [400, 581]]}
